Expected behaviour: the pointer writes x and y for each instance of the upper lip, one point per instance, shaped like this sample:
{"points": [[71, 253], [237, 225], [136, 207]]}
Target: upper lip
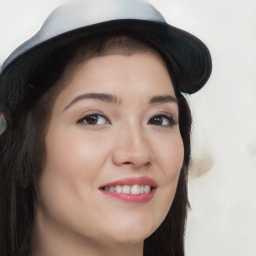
{"points": [[132, 181]]}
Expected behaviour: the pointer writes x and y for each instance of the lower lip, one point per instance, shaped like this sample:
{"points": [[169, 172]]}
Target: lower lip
{"points": [[141, 198]]}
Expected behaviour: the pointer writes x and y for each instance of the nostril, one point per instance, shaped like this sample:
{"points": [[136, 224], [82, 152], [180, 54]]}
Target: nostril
{"points": [[130, 158]]}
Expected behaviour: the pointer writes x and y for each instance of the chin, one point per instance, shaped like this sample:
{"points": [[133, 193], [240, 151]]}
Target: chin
{"points": [[133, 233]]}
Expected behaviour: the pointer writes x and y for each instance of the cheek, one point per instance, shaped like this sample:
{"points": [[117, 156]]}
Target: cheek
{"points": [[170, 156], [72, 154], [70, 172]]}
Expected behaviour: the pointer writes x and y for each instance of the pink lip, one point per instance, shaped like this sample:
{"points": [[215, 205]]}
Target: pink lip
{"points": [[141, 198]]}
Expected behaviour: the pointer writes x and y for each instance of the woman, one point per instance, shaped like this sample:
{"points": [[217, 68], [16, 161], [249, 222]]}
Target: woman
{"points": [[95, 143]]}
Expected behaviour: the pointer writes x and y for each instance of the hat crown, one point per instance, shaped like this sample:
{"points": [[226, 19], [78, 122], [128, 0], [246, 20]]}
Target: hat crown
{"points": [[187, 57], [80, 13], [76, 14]]}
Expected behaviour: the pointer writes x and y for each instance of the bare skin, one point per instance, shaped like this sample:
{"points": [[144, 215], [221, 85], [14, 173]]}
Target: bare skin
{"points": [[92, 141]]}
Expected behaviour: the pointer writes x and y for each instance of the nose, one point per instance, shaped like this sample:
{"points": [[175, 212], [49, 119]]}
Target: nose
{"points": [[133, 148]]}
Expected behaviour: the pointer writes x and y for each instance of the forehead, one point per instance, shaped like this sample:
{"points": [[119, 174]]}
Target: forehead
{"points": [[139, 76]]}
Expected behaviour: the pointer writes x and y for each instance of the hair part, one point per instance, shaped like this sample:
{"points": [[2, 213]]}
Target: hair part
{"points": [[22, 148]]}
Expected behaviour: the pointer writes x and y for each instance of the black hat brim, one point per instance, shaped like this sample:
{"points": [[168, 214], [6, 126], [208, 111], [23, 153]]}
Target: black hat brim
{"points": [[188, 59]]}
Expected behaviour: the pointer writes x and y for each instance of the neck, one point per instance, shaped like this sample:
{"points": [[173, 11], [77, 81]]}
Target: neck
{"points": [[53, 240]]}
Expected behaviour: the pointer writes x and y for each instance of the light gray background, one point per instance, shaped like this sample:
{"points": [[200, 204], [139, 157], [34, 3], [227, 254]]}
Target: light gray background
{"points": [[222, 182]]}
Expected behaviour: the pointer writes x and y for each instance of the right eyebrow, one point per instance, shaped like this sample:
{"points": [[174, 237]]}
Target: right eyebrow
{"points": [[163, 99], [96, 96]]}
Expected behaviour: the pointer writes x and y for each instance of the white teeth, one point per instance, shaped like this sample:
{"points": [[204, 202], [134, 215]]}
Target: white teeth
{"points": [[118, 188], [135, 189], [127, 189], [112, 189], [147, 189]]}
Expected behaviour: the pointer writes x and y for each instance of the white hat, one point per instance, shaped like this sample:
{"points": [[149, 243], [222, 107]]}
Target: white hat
{"points": [[188, 59]]}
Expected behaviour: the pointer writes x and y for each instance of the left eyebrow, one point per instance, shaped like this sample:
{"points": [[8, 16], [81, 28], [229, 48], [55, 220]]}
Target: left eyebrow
{"points": [[108, 98], [163, 99]]}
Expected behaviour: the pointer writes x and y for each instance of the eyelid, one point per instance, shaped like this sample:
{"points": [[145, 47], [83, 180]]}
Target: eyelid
{"points": [[167, 115], [93, 112]]}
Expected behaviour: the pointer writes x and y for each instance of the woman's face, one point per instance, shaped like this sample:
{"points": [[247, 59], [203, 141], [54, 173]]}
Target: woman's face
{"points": [[113, 127]]}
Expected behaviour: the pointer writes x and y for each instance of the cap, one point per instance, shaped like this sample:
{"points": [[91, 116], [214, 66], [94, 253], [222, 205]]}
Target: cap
{"points": [[188, 58]]}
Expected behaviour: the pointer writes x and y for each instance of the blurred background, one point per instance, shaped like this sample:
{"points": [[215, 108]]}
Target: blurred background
{"points": [[222, 181]]}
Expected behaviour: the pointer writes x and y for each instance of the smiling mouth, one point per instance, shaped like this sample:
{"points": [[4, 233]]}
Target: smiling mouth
{"points": [[131, 189], [128, 189]]}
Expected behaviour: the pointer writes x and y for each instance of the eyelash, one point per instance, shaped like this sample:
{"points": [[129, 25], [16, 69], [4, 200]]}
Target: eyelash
{"points": [[157, 117], [169, 118], [83, 119]]}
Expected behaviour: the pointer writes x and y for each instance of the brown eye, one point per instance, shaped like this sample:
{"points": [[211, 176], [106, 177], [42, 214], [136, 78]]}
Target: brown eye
{"points": [[157, 120], [94, 119], [162, 120]]}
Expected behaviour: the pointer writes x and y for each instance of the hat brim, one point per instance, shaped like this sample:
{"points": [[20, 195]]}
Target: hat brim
{"points": [[187, 58]]}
